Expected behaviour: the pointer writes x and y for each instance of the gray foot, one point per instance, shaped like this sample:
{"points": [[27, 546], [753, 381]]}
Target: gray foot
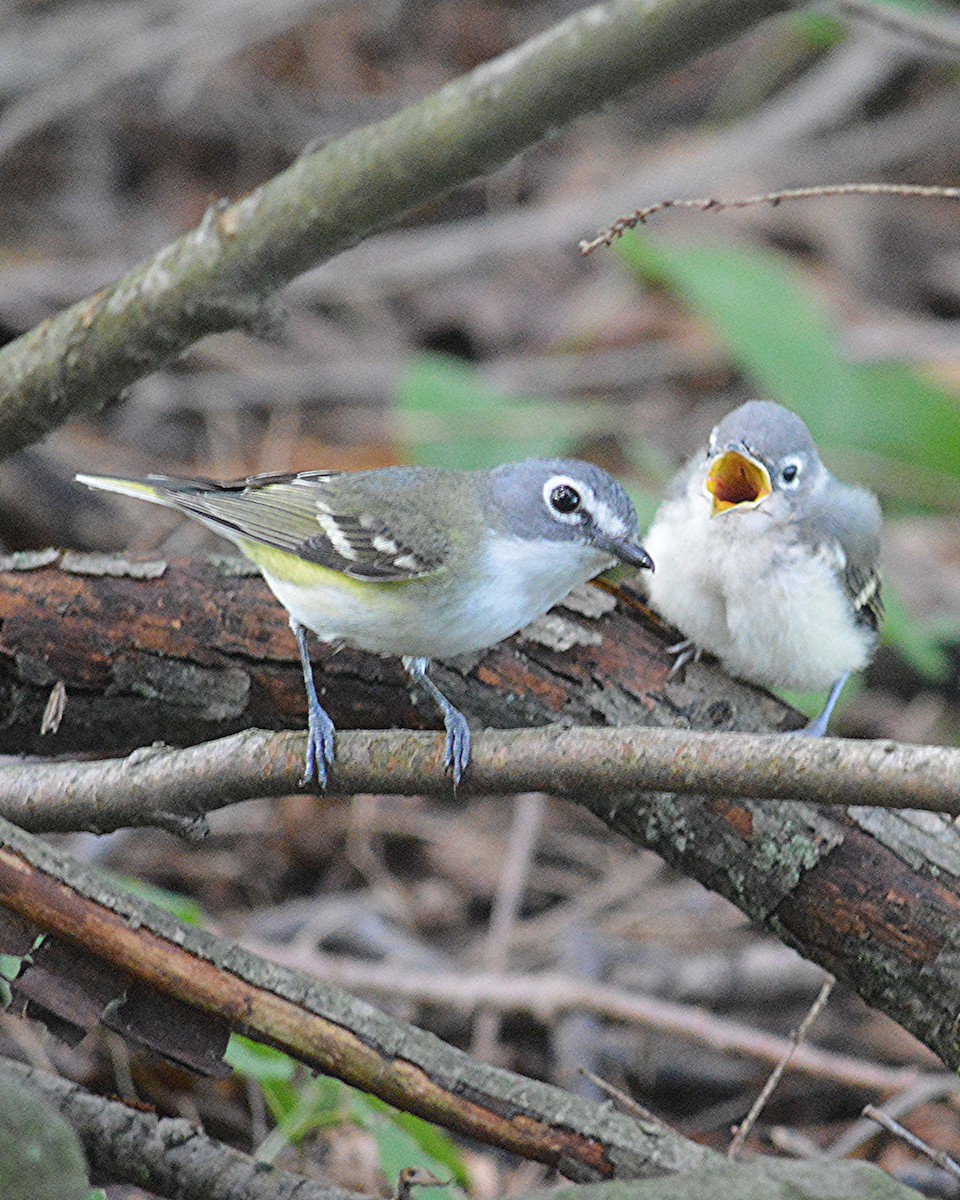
{"points": [[456, 754], [320, 749], [818, 726], [686, 651], [320, 729]]}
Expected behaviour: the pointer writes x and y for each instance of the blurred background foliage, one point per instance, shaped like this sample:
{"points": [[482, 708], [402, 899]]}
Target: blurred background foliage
{"points": [[473, 334]]}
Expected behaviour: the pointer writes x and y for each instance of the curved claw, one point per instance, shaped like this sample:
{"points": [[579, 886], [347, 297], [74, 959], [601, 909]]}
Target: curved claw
{"points": [[320, 749], [686, 651], [457, 752]]}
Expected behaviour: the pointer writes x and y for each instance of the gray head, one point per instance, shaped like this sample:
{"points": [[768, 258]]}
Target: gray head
{"points": [[565, 500], [774, 436], [760, 453]]}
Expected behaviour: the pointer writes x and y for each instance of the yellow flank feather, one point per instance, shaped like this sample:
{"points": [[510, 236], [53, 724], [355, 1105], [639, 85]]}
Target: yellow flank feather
{"points": [[290, 568]]}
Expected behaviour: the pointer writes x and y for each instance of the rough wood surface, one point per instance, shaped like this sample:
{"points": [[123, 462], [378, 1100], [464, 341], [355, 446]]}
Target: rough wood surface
{"points": [[199, 650], [187, 650]]}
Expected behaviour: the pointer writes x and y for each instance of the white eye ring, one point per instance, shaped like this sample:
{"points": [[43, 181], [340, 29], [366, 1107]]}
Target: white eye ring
{"points": [[790, 472], [579, 493]]}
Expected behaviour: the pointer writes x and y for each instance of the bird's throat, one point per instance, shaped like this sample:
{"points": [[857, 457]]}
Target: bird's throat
{"points": [[736, 481]]}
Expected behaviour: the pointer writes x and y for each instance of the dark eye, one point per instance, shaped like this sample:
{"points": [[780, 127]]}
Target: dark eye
{"points": [[565, 499], [789, 472]]}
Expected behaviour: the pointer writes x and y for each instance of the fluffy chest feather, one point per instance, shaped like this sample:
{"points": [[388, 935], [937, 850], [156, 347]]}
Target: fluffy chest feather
{"points": [[772, 611]]}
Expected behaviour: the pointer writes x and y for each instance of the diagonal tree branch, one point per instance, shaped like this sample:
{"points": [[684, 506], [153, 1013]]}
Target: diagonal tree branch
{"points": [[324, 1027], [547, 996], [583, 762], [220, 275]]}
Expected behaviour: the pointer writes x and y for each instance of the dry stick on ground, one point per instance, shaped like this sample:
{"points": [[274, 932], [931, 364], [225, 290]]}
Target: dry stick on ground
{"points": [[547, 996], [201, 650], [322, 1026], [528, 814], [711, 204], [221, 275], [742, 1131], [860, 1132], [169, 1156]]}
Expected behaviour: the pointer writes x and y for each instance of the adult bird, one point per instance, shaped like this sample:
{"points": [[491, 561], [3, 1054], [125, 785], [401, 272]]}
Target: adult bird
{"points": [[416, 562]]}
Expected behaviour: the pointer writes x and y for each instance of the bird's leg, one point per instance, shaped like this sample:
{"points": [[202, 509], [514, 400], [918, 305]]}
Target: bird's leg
{"points": [[685, 651], [457, 753], [320, 727], [818, 726]]}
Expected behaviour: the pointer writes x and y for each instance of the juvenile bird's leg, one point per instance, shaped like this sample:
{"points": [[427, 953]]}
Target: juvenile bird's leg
{"points": [[457, 753], [686, 651], [320, 727], [818, 726]]}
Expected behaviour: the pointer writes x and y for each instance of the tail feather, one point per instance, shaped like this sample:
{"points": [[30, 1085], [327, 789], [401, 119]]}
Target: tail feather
{"points": [[149, 488], [182, 495]]}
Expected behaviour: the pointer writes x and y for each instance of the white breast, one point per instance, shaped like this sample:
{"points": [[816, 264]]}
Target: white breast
{"points": [[439, 616], [772, 613]]}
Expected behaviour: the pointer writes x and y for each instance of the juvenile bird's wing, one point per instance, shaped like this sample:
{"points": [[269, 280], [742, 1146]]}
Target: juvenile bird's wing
{"points": [[348, 522], [850, 517]]}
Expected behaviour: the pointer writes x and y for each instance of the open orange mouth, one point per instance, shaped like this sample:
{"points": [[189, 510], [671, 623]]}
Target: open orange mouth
{"points": [[736, 480]]}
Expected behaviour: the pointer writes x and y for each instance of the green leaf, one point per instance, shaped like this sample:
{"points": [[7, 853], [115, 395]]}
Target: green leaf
{"points": [[316, 1104], [274, 1073], [403, 1140], [449, 418], [439, 1146], [258, 1062], [180, 906], [899, 432]]}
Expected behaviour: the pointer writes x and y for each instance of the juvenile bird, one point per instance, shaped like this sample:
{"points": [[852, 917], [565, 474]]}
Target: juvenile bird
{"points": [[767, 561], [415, 562]]}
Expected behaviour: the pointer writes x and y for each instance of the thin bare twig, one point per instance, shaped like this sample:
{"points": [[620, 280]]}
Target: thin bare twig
{"points": [[934, 31], [742, 1132], [712, 204], [625, 1102], [156, 783], [940, 1157], [934, 1087]]}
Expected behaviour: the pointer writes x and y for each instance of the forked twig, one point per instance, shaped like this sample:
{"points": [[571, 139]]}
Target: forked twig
{"points": [[712, 203]]}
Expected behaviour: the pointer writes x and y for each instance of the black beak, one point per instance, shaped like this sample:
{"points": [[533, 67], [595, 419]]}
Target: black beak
{"points": [[631, 553]]}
